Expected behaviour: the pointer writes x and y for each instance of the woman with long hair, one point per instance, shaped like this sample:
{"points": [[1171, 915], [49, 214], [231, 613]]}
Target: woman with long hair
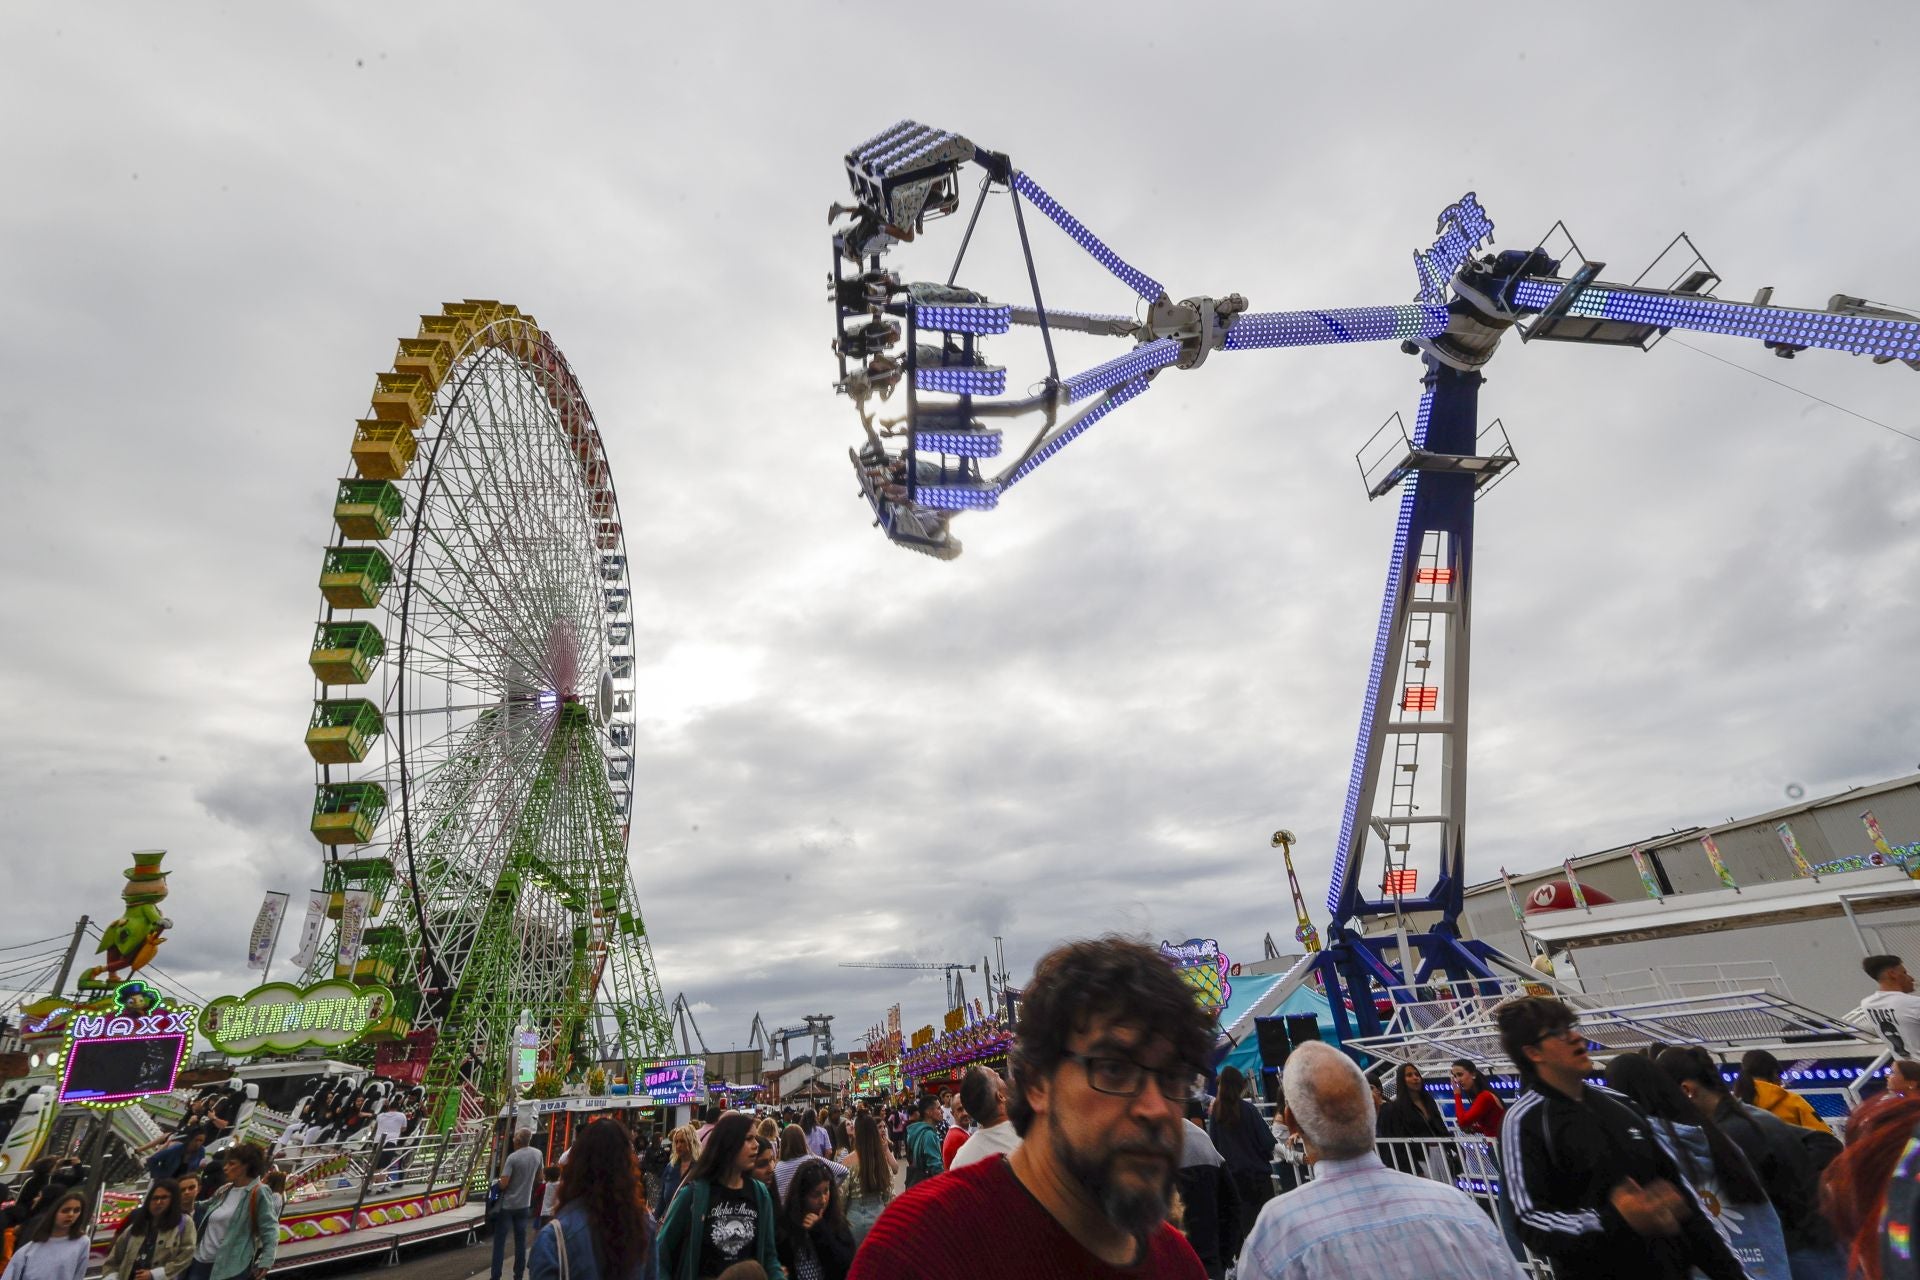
{"points": [[240, 1230], [602, 1226], [1868, 1181], [1245, 1144], [155, 1241], [1759, 1086], [1716, 1168], [1413, 1119], [813, 1236], [722, 1219], [685, 1143], [57, 1246], [794, 1152], [1477, 1109], [870, 1185]]}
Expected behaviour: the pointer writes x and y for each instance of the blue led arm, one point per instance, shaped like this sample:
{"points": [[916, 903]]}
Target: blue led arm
{"points": [[1859, 335], [1072, 431], [1134, 278], [1143, 359], [1261, 329]]}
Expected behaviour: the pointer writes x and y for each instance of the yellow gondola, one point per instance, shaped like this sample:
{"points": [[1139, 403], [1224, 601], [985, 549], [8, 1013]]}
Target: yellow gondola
{"points": [[347, 812], [367, 510], [345, 652], [354, 577], [382, 450], [342, 730]]}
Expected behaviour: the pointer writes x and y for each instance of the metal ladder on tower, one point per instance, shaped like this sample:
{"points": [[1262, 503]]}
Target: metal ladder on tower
{"points": [[1418, 696]]}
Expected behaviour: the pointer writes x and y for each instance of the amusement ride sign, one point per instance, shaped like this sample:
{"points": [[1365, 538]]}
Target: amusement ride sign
{"points": [[279, 1017], [119, 1055], [1204, 968], [673, 1081]]}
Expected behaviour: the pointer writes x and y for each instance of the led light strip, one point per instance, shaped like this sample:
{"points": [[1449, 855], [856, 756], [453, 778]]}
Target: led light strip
{"points": [[1356, 779], [959, 444], [1135, 279], [1858, 335], [962, 382], [953, 497], [1346, 324], [1120, 396], [965, 317], [1137, 362]]}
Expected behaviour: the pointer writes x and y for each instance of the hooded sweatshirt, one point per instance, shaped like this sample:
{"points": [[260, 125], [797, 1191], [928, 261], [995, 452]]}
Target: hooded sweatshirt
{"points": [[1787, 1105], [923, 1150]]}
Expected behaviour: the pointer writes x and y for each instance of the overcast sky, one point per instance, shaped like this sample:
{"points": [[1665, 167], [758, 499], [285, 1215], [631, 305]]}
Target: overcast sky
{"points": [[1696, 591]]}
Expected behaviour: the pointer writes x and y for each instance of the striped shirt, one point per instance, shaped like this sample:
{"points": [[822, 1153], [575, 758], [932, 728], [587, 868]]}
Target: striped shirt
{"points": [[1359, 1218]]}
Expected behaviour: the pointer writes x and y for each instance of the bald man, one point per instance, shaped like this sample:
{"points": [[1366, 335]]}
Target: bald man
{"points": [[1356, 1216]]}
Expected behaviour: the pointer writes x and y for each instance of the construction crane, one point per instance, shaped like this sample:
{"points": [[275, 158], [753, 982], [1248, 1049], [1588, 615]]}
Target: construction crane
{"points": [[680, 1015], [960, 444], [784, 1037], [819, 1028], [955, 994], [1303, 931]]}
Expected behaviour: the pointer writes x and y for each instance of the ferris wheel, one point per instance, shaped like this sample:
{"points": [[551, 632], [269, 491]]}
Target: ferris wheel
{"points": [[472, 729]]}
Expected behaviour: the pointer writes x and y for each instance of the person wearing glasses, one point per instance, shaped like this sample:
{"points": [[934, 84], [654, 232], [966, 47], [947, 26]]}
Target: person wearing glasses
{"points": [[1586, 1179], [1108, 1044]]}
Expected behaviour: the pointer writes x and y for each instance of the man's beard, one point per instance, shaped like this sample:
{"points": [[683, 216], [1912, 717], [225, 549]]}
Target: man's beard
{"points": [[1136, 1208]]}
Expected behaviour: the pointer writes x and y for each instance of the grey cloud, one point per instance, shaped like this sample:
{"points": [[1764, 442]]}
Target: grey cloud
{"points": [[1694, 590]]}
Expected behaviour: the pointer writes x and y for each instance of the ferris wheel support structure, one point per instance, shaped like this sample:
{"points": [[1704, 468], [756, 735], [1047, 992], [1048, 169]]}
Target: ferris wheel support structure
{"points": [[1418, 681]]}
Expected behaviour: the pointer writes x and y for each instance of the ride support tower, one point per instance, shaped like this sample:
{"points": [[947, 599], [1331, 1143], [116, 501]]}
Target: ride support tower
{"points": [[1398, 879]]}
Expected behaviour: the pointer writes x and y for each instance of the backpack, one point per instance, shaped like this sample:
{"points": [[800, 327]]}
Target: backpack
{"points": [[918, 1172], [1821, 1147]]}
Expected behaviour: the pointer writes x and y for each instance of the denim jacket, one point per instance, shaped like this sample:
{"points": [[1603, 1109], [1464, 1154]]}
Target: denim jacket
{"points": [[544, 1261]]}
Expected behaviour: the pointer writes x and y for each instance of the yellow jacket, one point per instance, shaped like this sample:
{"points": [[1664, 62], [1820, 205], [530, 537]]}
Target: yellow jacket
{"points": [[1787, 1105]]}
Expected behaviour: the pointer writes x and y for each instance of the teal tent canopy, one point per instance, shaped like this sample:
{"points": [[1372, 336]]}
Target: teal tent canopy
{"points": [[1246, 991]]}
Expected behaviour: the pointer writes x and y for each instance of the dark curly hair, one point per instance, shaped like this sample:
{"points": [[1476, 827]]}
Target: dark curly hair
{"points": [[1112, 979], [601, 1170], [1526, 1021]]}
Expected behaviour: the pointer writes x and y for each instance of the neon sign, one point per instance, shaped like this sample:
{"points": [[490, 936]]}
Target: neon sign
{"points": [[673, 1081], [280, 1016], [1202, 966], [118, 1055]]}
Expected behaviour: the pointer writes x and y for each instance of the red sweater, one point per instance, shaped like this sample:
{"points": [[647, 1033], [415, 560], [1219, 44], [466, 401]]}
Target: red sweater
{"points": [[1482, 1116], [950, 1145], [980, 1221]]}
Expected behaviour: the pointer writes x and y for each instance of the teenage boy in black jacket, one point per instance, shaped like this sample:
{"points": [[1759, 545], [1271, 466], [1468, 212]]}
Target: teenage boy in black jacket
{"points": [[1581, 1171]]}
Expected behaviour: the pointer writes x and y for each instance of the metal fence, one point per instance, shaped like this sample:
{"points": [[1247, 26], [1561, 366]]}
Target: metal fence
{"points": [[421, 1163]]}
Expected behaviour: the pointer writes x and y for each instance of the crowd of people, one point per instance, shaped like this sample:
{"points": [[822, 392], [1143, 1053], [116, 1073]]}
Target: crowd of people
{"points": [[192, 1223], [1105, 1151]]}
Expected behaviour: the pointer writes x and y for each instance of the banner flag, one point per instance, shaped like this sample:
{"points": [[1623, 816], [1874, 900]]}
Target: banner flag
{"points": [[1647, 879], [310, 928], [1513, 899], [1719, 866], [1792, 844], [1579, 894], [266, 930], [356, 905]]}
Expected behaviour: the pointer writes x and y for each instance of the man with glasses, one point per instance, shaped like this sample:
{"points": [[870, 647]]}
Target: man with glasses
{"points": [[1586, 1179], [1107, 1049]]}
